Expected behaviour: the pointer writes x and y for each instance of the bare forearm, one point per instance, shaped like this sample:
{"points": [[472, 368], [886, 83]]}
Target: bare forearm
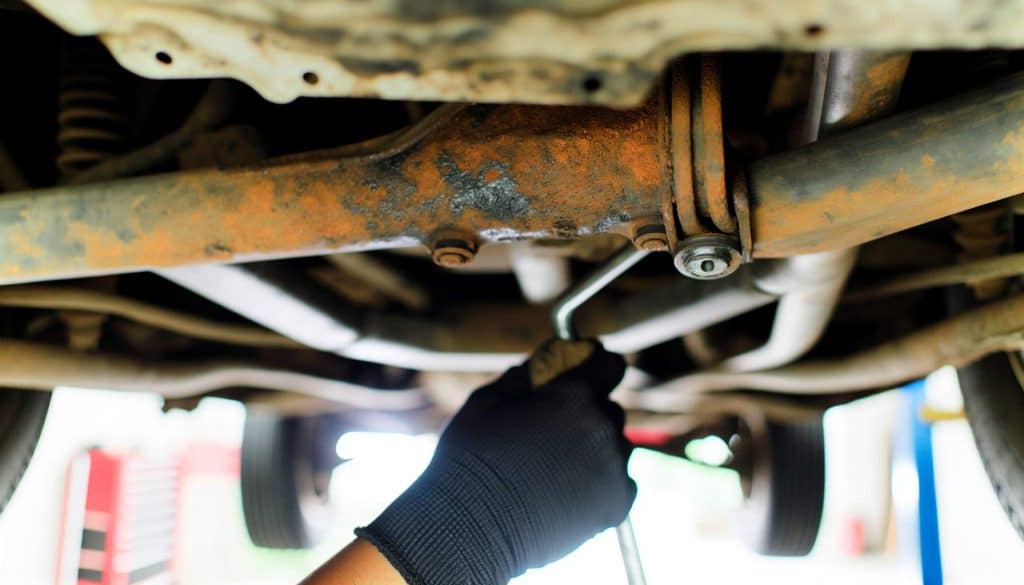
{"points": [[360, 563]]}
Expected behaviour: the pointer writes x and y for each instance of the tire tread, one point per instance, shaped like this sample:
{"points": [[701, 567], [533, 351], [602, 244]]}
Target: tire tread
{"points": [[23, 413], [994, 402]]}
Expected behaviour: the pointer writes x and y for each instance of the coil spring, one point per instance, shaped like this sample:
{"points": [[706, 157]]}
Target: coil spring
{"points": [[982, 233], [91, 123]]}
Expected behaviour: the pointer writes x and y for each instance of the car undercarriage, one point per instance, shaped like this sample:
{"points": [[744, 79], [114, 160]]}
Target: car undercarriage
{"points": [[367, 208]]}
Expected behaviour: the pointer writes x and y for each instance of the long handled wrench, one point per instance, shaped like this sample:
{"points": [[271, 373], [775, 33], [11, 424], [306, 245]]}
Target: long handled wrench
{"points": [[561, 318]]}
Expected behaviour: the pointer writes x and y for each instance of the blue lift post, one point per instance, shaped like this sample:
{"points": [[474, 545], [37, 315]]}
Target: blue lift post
{"points": [[916, 442]]}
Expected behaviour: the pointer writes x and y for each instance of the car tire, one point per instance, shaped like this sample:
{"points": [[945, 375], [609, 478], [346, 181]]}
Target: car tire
{"points": [[284, 491], [994, 401], [786, 492], [22, 414]]}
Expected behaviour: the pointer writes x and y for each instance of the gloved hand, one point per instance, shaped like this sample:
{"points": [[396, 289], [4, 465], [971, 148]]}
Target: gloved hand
{"points": [[520, 478]]}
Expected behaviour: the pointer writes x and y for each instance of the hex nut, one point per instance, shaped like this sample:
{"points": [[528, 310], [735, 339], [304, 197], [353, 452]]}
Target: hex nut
{"points": [[708, 257]]}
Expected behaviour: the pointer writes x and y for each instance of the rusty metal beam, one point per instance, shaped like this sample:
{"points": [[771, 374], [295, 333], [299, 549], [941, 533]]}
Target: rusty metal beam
{"points": [[515, 172], [891, 175], [498, 173]]}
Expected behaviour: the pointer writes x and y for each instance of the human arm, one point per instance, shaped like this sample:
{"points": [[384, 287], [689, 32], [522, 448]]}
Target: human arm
{"points": [[359, 563], [527, 471]]}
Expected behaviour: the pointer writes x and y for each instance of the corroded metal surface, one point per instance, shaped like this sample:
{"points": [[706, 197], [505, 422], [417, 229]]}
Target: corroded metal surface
{"points": [[544, 51], [709, 148], [683, 191], [698, 149], [500, 173], [518, 172], [891, 175]]}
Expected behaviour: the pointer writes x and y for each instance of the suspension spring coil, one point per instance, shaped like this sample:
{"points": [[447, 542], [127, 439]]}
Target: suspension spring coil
{"points": [[92, 123]]}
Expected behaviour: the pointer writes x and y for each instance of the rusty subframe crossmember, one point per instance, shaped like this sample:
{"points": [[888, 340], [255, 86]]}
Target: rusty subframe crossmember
{"points": [[497, 173]]}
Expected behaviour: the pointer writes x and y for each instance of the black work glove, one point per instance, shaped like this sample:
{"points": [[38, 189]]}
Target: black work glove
{"points": [[521, 477]]}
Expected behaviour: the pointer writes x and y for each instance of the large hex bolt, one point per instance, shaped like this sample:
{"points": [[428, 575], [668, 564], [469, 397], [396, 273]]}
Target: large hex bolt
{"points": [[708, 257], [450, 248]]}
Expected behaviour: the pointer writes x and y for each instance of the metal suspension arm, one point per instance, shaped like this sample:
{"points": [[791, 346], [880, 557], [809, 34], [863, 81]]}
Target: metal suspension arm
{"points": [[509, 172]]}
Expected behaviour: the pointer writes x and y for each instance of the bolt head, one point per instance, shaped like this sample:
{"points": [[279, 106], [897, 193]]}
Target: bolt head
{"points": [[651, 237], [452, 247], [450, 258], [707, 257], [652, 243]]}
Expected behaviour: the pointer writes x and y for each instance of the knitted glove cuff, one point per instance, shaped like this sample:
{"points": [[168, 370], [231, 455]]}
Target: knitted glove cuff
{"points": [[446, 530]]}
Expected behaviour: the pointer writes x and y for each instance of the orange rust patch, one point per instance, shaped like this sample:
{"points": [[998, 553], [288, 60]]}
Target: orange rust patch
{"points": [[598, 169], [491, 175], [161, 247], [102, 248]]}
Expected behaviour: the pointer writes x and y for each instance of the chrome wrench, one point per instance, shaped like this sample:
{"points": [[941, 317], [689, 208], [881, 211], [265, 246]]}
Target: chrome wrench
{"points": [[561, 319]]}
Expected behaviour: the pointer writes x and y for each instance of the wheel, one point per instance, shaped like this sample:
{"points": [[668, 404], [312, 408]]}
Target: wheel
{"points": [[784, 480], [993, 394], [22, 413], [994, 401], [286, 467]]}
